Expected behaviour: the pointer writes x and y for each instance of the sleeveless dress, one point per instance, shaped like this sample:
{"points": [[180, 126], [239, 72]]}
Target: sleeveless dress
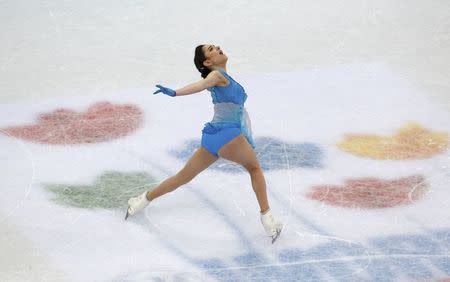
{"points": [[230, 117]]}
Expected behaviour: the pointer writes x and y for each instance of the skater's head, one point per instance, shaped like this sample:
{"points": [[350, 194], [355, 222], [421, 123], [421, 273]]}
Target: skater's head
{"points": [[208, 58]]}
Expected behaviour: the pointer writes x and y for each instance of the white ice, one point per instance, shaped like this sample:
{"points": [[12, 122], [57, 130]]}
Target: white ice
{"points": [[313, 72]]}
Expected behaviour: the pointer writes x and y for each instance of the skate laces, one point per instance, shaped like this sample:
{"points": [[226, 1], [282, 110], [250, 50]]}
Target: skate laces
{"points": [[271, 220]]}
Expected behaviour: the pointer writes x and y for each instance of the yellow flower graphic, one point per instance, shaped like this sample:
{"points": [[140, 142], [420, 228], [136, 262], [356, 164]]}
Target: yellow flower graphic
{"points": [[410, 142]]}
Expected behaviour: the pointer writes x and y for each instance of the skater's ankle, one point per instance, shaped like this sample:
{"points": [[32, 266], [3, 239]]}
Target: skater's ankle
{"points": [[147, 196], [264, 211]]}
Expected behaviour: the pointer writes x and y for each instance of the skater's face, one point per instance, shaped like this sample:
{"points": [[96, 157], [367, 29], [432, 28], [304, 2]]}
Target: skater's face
{"points": [[214, 56]]}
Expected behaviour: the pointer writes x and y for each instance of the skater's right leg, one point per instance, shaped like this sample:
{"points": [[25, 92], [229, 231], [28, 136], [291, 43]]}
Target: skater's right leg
{"points": [[196, 164], [201, 160], [239, 150]]}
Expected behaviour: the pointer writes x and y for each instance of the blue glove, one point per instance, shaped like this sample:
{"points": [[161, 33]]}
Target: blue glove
{"points": [[165, 90]]}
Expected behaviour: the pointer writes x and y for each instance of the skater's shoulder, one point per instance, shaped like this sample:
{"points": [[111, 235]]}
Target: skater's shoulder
{"points": [[217, 78]]}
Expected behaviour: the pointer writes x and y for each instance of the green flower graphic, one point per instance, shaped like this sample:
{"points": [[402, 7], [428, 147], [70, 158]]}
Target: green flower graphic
{"points": [[110, 190]]}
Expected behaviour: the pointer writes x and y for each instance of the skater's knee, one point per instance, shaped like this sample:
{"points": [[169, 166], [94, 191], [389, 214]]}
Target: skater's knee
{"points": [[253, 168]]}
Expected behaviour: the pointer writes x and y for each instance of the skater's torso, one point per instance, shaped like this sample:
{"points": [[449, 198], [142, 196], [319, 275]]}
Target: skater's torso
{"points": [[228, 101], [231, 93], [229, 110]]}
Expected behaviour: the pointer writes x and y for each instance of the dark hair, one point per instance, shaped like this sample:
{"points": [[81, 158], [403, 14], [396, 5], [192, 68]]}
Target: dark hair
{"points": [[199, 58]]}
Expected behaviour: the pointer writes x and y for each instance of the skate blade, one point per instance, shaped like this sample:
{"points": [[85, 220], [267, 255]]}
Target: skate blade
{"points": [[126, 216], [275, 237]]}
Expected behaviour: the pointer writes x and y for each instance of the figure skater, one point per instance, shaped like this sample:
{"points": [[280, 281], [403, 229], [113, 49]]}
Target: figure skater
{"points": [[228, 135]]}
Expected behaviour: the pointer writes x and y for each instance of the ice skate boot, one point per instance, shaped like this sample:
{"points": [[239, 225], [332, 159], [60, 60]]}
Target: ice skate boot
{"points": [[136, 204], [271, 225]]}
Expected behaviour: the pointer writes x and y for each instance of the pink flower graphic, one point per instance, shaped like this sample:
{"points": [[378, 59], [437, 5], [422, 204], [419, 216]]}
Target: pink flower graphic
{"points": [[371, 193], [102, 122]]}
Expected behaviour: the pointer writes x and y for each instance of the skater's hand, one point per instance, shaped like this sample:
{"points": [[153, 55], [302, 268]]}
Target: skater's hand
{"points": [[165, 90]]}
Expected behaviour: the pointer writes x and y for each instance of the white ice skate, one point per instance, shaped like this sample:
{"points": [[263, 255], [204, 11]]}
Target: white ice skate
{"points": [[136, 204], [271, 225]]}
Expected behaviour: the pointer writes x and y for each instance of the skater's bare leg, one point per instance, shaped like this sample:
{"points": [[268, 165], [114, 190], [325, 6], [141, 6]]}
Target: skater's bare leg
{"points": [[199, 161], [239, 150]]}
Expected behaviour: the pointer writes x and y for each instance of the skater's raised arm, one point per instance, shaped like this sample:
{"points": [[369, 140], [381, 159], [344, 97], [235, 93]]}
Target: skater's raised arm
{"points": [[214, 78]]}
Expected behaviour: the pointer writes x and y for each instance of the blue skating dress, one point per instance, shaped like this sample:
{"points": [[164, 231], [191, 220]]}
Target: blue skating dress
{"points": [[230, 117]]}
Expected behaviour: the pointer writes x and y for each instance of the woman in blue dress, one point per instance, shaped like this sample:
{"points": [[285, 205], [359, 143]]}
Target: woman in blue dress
{"points": [[228, 135]]}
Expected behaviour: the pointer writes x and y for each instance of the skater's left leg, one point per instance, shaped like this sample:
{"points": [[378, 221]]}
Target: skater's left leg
{"points": [[201, 160], [196, 164]]}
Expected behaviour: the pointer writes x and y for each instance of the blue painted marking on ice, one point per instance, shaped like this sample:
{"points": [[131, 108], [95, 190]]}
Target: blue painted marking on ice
{"points": [[389, 268], [442, 238], [339, 270], [383, 270], [216, 267], [303, 273], [249, 259], [266, 273], [318, 256], [416, 269], [442, 264], [324, 251], [271, 154], [414, 244], [396, 250], [338, 261], [256, 268]]}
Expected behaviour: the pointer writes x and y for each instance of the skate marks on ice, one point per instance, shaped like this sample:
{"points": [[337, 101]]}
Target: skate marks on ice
{"points": [[306, 255], [270, 152], [20, 162], [101, 122], [238, 234], [411, 257], [412, 141], [380, 260], [283, 201], [257, 263]]}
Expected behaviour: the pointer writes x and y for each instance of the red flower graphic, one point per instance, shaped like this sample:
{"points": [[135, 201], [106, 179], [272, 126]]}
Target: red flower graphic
{"points": [[371, 193], [101, 122]]}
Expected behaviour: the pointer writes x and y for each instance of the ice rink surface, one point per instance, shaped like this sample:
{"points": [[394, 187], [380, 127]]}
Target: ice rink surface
{"points": [[350, 109]]}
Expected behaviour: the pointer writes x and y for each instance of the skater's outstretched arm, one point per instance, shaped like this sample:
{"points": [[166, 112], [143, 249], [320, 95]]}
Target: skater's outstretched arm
{"points": [[214, 78]]}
